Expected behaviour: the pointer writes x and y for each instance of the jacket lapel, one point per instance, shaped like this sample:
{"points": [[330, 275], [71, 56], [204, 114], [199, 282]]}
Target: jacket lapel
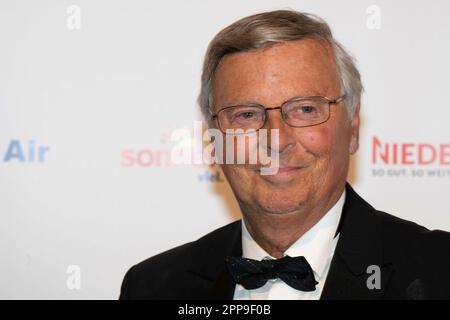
{"points": [[359, 247], [208, 263]]}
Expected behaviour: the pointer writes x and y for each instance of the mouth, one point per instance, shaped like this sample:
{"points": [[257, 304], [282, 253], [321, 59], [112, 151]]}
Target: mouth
{"points": [[280, 174]]}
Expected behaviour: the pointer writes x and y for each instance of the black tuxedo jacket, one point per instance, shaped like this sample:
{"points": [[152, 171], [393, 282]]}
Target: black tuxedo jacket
{"points": [[414, 262]]}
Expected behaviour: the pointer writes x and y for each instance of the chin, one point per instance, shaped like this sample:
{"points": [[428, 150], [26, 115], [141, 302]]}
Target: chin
{"points": [[279, 207], [280, 203]]}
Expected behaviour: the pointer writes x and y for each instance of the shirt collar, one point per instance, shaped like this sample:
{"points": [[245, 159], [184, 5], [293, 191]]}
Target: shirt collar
{"points": [[316, 245]]}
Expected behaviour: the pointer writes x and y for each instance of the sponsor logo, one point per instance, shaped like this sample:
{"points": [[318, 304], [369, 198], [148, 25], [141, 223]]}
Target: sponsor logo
{"points": [[198, 147], [410, 159], [30, 151]]}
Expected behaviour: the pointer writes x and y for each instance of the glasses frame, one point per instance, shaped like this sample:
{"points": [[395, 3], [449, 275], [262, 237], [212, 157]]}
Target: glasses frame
{"points": [[295, 99]]}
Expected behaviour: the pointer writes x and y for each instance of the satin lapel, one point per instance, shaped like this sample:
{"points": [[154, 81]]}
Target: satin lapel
{"points": [[342, 283], [223, 288], [359, 253], [208, 265]]}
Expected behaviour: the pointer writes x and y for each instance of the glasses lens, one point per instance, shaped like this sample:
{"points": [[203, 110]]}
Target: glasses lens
{"points": [[241, 117], [306, 112]]}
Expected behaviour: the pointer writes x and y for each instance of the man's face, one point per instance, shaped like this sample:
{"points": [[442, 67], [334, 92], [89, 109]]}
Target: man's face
{"points": [[313, 160]]}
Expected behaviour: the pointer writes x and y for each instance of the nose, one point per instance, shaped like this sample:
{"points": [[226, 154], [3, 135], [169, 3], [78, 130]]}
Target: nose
{"points": [[286, 138]]}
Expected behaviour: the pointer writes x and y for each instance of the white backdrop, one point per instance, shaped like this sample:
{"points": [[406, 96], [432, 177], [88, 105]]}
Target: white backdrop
{"points": [[90, 92]]}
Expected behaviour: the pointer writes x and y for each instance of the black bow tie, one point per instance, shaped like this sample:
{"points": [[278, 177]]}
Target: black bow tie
{"points": [[294, 271]]}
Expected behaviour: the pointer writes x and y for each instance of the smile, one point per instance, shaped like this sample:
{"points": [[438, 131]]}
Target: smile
{"points": [[283, 174]]}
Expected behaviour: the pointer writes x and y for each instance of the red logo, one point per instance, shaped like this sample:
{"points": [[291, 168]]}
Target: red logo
{"points": [[410, 153]]}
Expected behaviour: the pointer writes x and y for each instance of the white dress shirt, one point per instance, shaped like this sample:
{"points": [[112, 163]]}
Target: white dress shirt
{"points": [[317, 245]]}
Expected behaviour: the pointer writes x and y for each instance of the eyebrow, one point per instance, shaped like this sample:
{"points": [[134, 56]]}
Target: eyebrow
{"points": [[252, 103]]}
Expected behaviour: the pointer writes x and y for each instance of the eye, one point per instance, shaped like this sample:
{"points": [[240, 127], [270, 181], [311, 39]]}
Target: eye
{"points": [[245, 115], [306, 109]]}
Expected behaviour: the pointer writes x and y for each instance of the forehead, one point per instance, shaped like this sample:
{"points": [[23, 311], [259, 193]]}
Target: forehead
{"points": [[276, 73]]}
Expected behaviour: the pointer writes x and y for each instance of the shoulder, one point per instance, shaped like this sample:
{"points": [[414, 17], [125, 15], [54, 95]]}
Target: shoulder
{"points": [[420, 257], [394, 231], [415, 246], [411, 233], [168, 267], [183, 254]]}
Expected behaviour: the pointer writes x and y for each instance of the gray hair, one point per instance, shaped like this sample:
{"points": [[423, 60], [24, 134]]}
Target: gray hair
{"points": [[268, 28]]}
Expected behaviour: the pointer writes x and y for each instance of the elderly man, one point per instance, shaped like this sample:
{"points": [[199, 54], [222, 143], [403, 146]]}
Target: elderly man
{"points": [[305, 233]]}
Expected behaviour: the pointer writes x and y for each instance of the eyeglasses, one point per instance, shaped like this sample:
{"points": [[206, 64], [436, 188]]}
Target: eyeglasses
{"points": [[297, 112]]}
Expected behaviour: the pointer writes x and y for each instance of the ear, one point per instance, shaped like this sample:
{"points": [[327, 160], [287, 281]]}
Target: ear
{"points": [[354, 138]]}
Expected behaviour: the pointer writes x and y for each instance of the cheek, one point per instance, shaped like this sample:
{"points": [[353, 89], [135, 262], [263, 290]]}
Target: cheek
{"points": [[236, 175], [317, 141], [326, 142]]}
